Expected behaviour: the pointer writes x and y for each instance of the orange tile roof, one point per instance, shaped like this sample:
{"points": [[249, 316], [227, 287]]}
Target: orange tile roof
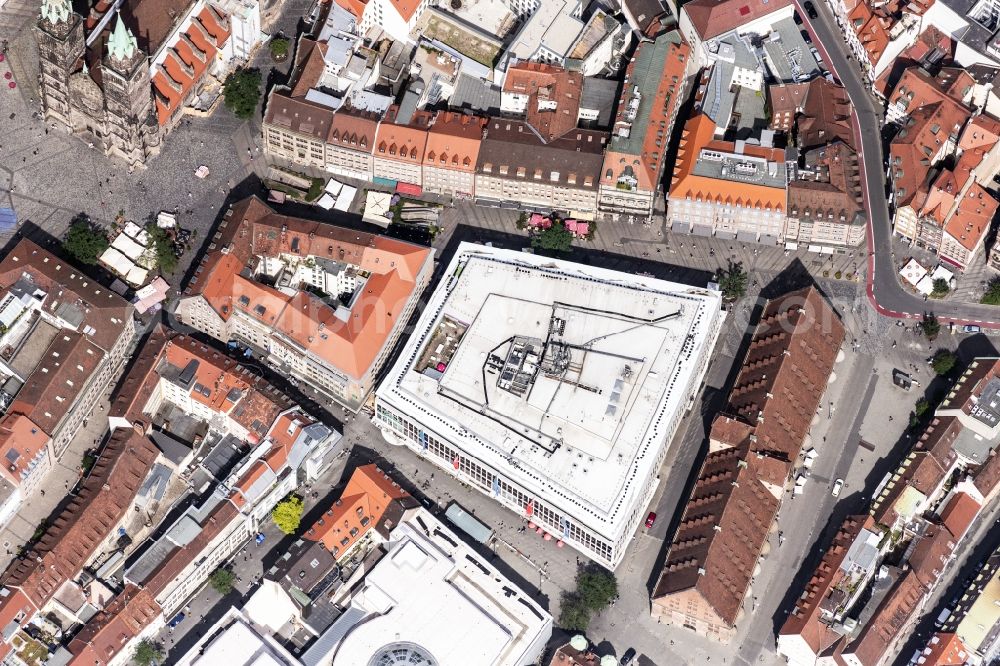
{"points": [[699, 133], [711, 18], [111, 630], [959, 513], [351, 345], [647, 166], [20, 441], [981, 133], [403, 143], [947, 650], [361, 506], [187, 61], [872, 30], [544, 83], [971, 220], [355, 7], [230, 390], [453, 141]]}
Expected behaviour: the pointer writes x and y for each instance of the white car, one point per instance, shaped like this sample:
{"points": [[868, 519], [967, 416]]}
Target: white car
{"points": [[837, 487]]}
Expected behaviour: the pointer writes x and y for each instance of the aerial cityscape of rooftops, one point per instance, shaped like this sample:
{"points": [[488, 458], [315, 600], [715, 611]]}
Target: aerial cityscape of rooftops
{"points": [[500, 332]]}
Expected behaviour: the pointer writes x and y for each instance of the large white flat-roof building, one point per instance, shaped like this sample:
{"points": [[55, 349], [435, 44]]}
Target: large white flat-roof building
{"points": [[552, 386]]}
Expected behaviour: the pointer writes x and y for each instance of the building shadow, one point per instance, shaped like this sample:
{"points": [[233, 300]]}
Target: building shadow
{"points": [[859, 503]]}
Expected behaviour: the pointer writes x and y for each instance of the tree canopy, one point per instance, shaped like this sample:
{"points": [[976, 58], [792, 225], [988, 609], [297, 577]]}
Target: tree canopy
{"points": [[940, 288], [287, 514], [930, 326], [992, 294], [166, 257], [943, 361], [85, 241], [596, 587], [279, 47], [557, 238], [733, 281], [222, 581], [242, 92], [147, 653]]}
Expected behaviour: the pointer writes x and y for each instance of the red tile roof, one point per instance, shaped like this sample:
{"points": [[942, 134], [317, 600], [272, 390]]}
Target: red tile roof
{"points": [[711, 18], [945, 650], [734, 502], [187, 61], [970, 222], [254, 230], [805, 619], [368, 494], [959, 513], [20, 441], [889, 620], [110, 631], [101, 503], [935, 114], [547, 85], [826, 115]]}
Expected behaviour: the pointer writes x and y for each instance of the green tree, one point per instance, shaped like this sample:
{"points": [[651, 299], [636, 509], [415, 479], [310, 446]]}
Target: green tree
{"points": [[733, 281], [85, 241], [992, 295], [287, 514], [574, 614], [222, 581], [930, 326], [242, 92], [279, 48], [596, 587], [522, 221], [940, 288], [166, 258], [943, 362], [147, 653], [557, 238]]}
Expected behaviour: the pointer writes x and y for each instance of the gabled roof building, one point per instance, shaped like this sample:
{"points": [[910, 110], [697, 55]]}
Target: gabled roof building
{"points": [[63, 340], [657, 78], [918, 519], [753, 447], [321, 303]]}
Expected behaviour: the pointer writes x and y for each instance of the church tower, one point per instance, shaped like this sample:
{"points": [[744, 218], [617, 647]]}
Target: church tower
{"points": [[133, 132], [61, 45]]}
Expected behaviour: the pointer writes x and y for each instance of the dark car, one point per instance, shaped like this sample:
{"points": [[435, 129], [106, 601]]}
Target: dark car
{"points": [[177, 620], [650, 519], [810, 9], [627, 657]]}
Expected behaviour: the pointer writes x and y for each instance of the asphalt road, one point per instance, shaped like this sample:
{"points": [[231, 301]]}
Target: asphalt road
{"points": [[885, 293]]}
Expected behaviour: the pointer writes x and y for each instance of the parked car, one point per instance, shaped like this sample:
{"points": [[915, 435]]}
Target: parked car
{"points": [[627, 657], [810, 9], [837, 487], [650, 519], [177, 620], [970, 328]]}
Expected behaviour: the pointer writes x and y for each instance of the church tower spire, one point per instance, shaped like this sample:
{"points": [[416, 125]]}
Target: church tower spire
{"points": [[122, 45], [56, 11]]}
